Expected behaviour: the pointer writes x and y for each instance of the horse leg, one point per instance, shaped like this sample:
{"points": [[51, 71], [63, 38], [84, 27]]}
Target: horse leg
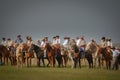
{"points": [[27, 62], [79, 62], [43, 61], [53, 61], [30, 61], [72, 61], [17, 62], [48, 61], [0, 60], [3, 60], [38, 62], [6, 60], [75, 62], [58, 60], [65, 59], [110, 64]]}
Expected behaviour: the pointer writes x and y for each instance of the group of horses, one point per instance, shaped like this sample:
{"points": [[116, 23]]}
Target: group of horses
{"points": [[21, 54]]}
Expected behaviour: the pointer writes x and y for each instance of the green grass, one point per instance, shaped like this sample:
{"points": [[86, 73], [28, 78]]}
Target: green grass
{"points": [[35, 73]]}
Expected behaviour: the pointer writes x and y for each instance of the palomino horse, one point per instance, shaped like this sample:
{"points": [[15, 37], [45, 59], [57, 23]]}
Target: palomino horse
{"points": [[27, 55], [20, 55], [50, 53], [4, 55], [38, 52]]}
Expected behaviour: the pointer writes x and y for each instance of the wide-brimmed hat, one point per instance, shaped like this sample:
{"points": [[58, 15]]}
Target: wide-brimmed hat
{"points": [[19, 36], [8, 39]]}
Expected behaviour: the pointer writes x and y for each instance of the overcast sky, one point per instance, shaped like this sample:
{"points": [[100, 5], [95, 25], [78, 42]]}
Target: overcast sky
{"points": [[39, 18]]}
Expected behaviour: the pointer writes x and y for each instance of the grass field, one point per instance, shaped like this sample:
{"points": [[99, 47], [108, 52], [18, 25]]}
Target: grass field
{"points": [[38, 73]]}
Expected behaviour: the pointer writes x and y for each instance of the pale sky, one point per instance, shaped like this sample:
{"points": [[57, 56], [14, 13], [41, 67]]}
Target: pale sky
{"points": [[39, 18]]}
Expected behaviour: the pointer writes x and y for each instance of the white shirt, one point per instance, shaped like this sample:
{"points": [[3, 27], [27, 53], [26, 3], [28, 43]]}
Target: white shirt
{"points": [[115, 53], [4, 43], [109, 43], [57, 41], [54, 41], [77, 42], [65, 42], [42, 44]]}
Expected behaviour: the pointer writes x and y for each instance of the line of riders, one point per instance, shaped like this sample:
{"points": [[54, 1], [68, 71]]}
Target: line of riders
{"points": [[72, 50]]}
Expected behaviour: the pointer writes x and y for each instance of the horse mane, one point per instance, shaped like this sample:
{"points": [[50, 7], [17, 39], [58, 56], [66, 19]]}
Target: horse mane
{"points": [[48, 47]]}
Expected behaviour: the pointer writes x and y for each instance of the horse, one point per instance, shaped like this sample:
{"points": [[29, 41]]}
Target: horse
{"points": [[73, 53], [12, 55], [38, 52], [90, 54], [20, 55], [4, 55], [50, 54], [64, 53], [57, 51], [106, 55], [95, 53]]}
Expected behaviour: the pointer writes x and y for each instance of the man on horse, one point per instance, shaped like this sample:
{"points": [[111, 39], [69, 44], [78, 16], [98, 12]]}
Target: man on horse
{"points": [[19, 39], [4, 42], [81, 43]]}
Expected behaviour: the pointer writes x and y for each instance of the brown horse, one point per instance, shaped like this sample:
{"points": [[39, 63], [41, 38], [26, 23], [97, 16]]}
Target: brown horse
{"points": [[57, 50], [106, 55], [12, 55], [4, 55], [28, 54], [50, 53]]}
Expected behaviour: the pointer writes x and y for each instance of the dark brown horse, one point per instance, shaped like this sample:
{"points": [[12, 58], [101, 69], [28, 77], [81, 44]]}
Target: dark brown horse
{"points": [[57, 50], [4, 55], [12, 55], [38, 53]]}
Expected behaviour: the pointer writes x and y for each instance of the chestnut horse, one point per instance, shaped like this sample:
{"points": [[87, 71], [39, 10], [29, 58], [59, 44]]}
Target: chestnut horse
{"points": [[106, 55], [4, 55], [50, 53]]}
